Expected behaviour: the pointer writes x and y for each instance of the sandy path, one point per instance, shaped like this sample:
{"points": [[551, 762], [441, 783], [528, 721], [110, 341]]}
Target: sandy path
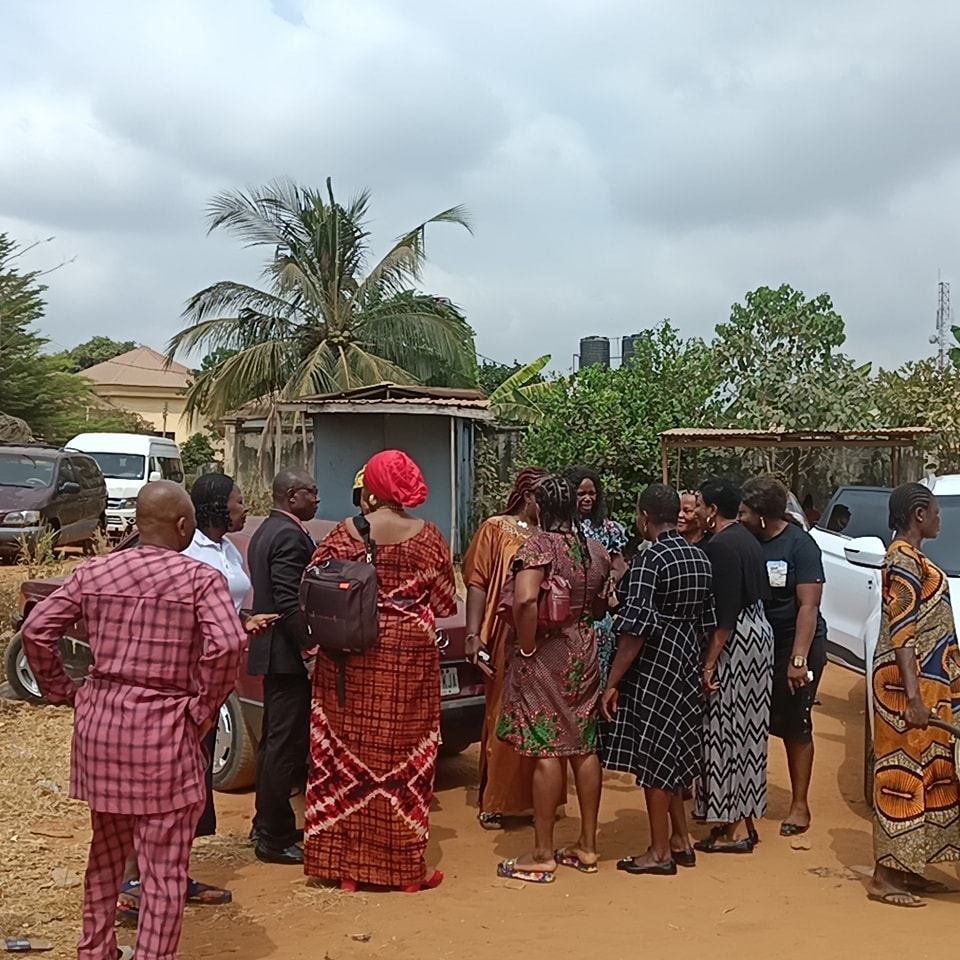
{"points": [[778, 902]]}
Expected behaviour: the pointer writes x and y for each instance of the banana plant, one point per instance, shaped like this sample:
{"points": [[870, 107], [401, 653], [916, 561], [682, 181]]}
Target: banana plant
{"points": [[517, 398]]}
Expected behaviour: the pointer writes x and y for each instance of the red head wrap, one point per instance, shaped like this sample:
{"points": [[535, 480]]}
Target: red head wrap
{"points": [[393, 477]]}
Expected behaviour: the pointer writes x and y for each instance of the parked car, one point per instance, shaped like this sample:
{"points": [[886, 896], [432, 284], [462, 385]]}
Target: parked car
{"points": [[128, 461], [45, 489], [241, 717], [853, 534]]}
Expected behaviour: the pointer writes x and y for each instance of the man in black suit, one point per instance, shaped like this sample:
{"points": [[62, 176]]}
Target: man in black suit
{"points": [[279, 552]]}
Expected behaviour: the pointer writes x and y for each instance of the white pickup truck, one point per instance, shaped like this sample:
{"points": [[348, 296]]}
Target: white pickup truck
{"points": [[853, 535]]}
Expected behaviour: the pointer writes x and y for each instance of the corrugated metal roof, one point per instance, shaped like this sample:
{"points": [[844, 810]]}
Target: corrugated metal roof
{"points": [[395, 391], [690, 436]]}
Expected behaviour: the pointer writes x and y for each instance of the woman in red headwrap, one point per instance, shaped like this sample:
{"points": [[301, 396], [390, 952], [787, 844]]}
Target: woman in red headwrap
{"points": [[506, 778], [373, 759]]}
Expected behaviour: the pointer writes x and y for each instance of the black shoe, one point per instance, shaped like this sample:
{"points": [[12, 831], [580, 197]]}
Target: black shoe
{"points": [[685, 858], [293, 855], [254, 836], [719, 845], [629, 865]]}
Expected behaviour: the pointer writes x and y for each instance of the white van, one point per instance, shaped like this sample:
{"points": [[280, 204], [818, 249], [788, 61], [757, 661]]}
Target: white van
{"points": [[128, 461]]}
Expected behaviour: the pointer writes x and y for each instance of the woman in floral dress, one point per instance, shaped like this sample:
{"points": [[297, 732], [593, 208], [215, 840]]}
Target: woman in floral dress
{"points": [[596, 525], [552, 687]]}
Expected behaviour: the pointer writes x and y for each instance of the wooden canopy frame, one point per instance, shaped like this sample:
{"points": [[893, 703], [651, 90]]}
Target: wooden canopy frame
{"points": [[896, 439]]}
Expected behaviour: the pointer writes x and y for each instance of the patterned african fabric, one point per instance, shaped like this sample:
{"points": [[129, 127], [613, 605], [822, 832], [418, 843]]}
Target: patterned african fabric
{"points": [[613, 538], [550, 699], [666, 598], [373, 761], [736, 721], [916, 794], [506, 778]]}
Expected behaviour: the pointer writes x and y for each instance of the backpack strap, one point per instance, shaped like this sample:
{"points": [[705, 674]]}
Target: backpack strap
{"points": [[363, 528]]}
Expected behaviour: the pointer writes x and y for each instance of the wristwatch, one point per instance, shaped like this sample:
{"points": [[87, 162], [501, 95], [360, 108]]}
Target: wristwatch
{"points": [[799, 662]]}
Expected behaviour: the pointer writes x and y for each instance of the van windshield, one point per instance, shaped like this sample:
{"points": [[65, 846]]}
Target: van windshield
{"points": [[120, 466], [22, 470]]}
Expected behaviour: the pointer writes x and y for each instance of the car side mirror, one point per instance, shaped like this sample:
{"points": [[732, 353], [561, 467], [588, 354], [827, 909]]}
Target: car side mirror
{"points": [[866, 552], [70, 487], [154, 476]]}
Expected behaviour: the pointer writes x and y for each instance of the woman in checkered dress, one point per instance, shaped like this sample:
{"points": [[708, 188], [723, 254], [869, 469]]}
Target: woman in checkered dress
{"points": [[653, 694]]}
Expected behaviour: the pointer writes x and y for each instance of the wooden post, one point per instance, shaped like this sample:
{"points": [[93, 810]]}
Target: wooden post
{"points": [[664, 460], [895, 465], [795, 472]]}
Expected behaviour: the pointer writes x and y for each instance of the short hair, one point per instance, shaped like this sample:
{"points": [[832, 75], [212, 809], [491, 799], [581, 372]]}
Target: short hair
{"points": [[576, 476], [210, 493], [724, 494], [905, 501], [660, 503], [287, 480], [766, 496]]}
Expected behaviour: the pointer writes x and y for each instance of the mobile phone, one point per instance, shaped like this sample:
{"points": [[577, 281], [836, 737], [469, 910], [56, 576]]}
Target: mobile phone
{"points": [[483, 656]]}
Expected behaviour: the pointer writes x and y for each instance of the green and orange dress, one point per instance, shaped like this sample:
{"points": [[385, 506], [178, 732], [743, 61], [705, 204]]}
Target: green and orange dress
{"points": [[916, 792]]}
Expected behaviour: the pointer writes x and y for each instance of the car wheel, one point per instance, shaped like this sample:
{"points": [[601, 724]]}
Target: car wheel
{"points": [[19, 675], [234, 757]]}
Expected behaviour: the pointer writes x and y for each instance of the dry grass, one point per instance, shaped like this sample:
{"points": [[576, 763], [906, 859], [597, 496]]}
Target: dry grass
{"points": [[42, 831]]}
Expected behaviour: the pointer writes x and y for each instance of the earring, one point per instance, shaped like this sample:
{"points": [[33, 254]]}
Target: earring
{"points": [[372, 502], [763, 523]]}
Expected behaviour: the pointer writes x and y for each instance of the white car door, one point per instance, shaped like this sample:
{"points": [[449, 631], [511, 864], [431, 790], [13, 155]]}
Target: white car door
{"points": [[851, 594]]}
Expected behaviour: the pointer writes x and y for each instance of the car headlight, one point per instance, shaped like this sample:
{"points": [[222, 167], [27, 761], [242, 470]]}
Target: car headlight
{"points": [[22, 518], [129, 504]]}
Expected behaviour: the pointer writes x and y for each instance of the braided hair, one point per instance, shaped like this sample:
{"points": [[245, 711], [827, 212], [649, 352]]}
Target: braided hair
{"points": [[576, 476], [526, 482], [210, 493], [557, 499], [905, 501]]}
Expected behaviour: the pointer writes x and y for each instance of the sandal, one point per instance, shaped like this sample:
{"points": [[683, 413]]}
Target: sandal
{"points": [[431, 883], [567, 859], [792, 829], [509, 870], [491, 821], [897, 898], [203, 893]]}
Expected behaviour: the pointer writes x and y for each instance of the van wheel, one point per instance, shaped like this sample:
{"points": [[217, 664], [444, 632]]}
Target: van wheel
{"points": [[19, 675], [234, 755]]}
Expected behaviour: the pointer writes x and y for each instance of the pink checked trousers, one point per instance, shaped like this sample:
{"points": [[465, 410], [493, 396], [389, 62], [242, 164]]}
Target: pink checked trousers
{"points": [[162, 842]]}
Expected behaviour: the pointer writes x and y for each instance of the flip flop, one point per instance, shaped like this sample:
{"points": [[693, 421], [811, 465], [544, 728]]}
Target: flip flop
{"points": [[895, 899], [205, 894], [566, 859], [509, 870], [129, 913]]}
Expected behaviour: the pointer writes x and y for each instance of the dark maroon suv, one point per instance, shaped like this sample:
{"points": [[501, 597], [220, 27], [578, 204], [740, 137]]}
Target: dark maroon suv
{"points": [[461, 684]]}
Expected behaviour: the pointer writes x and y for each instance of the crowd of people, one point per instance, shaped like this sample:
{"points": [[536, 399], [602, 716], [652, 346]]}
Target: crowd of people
{"points": [[673, 662]]}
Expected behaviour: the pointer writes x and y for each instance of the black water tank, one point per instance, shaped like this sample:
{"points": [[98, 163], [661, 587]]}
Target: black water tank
{"points": [[594, 351], [627, 351]]}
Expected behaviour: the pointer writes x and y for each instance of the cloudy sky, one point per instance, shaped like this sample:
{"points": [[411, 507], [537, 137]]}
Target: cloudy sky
{"points": [[624, 160]]}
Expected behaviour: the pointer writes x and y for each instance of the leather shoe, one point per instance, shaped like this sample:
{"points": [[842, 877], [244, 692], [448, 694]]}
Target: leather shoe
{"points": [[685, 858], [293, 855], [255, 836], [629, 865]]}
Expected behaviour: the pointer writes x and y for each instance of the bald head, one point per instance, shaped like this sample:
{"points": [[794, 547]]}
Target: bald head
{"points": [[165, 515], [295, 491]]}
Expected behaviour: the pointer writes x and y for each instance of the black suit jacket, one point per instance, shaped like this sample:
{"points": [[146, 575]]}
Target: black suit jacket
{"points": [[278, 554]]}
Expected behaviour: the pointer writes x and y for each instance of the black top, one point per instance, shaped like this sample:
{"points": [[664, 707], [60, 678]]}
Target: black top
{"points": [[792, 558], [279, 552], [739, 573]]}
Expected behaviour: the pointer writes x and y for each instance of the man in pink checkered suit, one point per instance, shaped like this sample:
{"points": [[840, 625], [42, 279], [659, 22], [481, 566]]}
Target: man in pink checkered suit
{"points": [[166, 645]]}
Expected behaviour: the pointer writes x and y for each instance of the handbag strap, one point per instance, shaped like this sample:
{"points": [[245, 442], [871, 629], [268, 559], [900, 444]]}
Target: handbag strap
{"points": [[363, 528]]}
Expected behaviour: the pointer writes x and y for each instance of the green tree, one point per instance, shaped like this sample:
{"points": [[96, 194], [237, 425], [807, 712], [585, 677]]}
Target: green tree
{"points": [[56, 403], [197, 451], [326, 317], [491, 374], [93, 351], [783, 368], [611, 420], [213, 359]]}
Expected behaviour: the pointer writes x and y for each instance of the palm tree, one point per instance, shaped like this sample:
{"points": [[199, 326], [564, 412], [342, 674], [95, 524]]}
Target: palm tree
{"points": [[324, 320]]}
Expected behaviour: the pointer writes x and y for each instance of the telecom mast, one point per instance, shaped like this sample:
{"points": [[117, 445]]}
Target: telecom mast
{"points": [[943, 324]]}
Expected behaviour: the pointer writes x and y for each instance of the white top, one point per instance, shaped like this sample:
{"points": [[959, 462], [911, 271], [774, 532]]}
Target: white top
{"points": [[225, 557]]}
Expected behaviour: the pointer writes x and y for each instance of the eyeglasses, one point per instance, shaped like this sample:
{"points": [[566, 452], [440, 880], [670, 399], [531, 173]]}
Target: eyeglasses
{"points": [[312, 491]]}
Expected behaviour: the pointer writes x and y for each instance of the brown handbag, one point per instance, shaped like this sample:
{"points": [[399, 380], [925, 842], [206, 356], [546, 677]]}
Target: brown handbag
{"points": [[553, 607]]}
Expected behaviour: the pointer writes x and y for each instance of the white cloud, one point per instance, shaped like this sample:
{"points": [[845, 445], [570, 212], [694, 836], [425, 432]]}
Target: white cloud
{"points": [[623, 160]]}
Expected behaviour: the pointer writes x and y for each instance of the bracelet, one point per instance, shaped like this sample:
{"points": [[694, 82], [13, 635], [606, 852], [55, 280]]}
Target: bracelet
{"points": [[472, 636], [712, 669], [523, 653]]}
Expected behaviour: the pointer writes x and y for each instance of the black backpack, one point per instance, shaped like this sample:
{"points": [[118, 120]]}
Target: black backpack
{"points": [[338, 600]]}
